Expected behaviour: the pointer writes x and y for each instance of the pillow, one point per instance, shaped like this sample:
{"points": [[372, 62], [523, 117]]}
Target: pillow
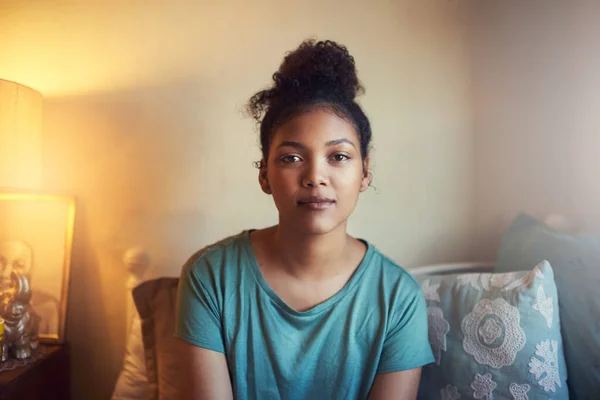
{"points": [[132, 383], [494, 336], [576, 263], [155, 301]]}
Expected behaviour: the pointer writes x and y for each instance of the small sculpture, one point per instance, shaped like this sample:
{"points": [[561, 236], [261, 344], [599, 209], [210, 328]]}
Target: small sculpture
{"points": [[20, 320], [17, 255]]}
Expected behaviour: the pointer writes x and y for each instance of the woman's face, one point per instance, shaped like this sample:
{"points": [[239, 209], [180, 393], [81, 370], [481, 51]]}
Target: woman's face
{"points": [[315, 172]]}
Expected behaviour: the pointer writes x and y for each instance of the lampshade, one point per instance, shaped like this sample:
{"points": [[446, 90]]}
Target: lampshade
{"points": [[20, 136]]}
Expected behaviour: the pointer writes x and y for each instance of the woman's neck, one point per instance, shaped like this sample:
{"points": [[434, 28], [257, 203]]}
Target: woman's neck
{"points": [[310, 257]]}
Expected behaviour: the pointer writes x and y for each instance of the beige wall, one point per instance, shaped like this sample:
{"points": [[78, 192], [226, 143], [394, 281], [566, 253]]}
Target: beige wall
{"points": [[536, 96], [143, 126]]}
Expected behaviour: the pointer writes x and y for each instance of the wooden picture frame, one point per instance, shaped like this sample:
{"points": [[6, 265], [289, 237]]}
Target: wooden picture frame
{"points": [[36, 236]]}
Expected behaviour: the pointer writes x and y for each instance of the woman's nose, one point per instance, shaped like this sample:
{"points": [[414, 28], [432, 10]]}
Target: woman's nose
{"points": [[315, 175]]}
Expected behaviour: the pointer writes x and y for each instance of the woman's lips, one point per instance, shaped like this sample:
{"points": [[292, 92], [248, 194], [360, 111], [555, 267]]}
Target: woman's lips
{"points": [[316, 204]]}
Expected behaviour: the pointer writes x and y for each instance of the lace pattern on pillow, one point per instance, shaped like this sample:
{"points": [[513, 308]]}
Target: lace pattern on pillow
{"points": [[492, 333]]}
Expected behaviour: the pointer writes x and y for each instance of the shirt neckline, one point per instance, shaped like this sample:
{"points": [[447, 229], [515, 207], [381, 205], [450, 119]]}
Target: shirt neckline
{"points": [[247, 244]]}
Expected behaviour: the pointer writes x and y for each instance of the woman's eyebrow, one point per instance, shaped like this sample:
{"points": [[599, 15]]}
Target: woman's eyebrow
{"points": [[339, 141], [299, 145], [288, 143]]}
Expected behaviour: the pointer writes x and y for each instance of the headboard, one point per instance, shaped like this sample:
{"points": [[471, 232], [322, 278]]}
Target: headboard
{"points": [[453, 268]]}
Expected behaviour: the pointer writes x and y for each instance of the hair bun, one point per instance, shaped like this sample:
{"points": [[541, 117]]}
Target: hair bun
{"points": [[316, 74], [315, 69]]}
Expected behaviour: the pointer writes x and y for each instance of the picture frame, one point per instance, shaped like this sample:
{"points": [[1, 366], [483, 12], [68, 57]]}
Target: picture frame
{"points": [[36, 238]]}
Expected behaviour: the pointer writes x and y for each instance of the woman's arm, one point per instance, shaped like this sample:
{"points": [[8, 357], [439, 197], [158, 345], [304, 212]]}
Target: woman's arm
{"points": [[402, 385], [204, 374]]}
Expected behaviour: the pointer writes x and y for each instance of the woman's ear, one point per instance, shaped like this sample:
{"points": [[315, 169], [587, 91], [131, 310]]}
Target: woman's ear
{"points": [[367, 175], [263, 179]]}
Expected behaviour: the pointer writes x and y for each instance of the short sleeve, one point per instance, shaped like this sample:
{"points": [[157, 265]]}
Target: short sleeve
{"points": [[406, 345], [198, 319]]}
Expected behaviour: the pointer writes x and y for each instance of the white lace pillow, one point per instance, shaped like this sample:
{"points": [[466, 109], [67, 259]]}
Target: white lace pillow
{"points": [[132, 383], [494, 336]]}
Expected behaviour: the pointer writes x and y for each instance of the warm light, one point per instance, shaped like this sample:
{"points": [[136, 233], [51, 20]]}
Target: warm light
{"points": [[20, 136]]}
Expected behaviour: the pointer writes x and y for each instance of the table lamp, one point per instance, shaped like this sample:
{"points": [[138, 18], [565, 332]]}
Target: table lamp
{"points": [[20, 136]]}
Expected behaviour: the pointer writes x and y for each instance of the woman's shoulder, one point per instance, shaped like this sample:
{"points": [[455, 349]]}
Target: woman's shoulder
{"points": [[392, 273], [213, 255]]}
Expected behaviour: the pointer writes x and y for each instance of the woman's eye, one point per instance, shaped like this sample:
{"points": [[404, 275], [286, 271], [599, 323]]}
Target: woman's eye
{"points": [[290, 159], [340, 157]]}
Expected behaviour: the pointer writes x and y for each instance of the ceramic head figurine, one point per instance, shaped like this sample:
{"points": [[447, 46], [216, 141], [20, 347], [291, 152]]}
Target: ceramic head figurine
{"points": [[20, 320], [15, 255]]}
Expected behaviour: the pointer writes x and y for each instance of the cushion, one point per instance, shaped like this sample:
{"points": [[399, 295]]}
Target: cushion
{"points": [[155, 301], [494, 336], [132, 383], [576, 263]]}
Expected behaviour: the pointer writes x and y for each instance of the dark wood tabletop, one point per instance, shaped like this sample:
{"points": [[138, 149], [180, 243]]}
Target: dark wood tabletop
{"points": [[46, 378]]}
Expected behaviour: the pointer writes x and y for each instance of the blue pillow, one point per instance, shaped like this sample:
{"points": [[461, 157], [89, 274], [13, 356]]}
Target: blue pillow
{"points": [[494, 336], [576, 263]]}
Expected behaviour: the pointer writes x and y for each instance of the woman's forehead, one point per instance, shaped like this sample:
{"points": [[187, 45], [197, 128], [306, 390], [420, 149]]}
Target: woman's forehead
{"points": [[317, 127]]}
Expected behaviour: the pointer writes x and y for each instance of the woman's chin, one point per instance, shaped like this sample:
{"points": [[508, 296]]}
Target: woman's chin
{"points": [[316, 226]]}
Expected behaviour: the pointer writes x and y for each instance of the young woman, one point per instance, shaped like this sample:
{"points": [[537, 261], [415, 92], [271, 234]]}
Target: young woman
{"points": [[302, 310]]}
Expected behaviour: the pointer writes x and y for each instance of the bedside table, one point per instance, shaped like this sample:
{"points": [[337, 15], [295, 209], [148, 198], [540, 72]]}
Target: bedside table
{"points": [[46, 378]]}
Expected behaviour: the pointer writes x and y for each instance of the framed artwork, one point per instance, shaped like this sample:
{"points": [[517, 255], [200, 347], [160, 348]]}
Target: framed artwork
{"points": [[36, 234]]}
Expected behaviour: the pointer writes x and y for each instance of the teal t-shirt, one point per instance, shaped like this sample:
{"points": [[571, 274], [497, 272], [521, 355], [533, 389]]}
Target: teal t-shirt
{"points": [[376, 323]]}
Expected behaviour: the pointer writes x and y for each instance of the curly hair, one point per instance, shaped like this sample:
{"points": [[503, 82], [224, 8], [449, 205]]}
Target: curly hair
{"points": [[315, 75]]}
